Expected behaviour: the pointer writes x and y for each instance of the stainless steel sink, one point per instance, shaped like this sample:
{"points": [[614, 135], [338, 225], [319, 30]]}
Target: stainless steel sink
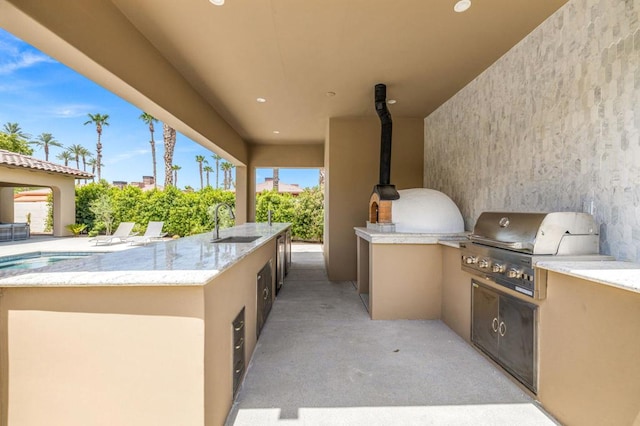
{"points": [[237, 239]]}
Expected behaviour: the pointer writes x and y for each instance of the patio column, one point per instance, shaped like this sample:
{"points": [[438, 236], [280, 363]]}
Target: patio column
{"points": [[6, 204], [241, 195], [64, 207]]}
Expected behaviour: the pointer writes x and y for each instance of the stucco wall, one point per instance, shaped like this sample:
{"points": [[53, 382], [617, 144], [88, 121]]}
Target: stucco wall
{"points": [[352, 163], [118, 355], [38, 211], [553, 125]]}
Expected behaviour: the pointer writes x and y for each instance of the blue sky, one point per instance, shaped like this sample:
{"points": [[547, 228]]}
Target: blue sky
{"points": [[43, 95]]}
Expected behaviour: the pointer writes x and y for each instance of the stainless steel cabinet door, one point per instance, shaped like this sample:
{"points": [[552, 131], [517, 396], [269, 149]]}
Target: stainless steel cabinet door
{"points": [[280, 262], [264, 298], [485, 321], [517, 339]]}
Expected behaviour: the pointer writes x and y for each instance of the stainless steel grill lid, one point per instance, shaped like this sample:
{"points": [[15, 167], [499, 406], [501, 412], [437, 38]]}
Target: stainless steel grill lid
{"points": [[567, 233]]}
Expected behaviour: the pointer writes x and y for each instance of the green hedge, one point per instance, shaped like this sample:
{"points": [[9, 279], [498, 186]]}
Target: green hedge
{"points": [[305, 212], [183, 213], [188, 213]]}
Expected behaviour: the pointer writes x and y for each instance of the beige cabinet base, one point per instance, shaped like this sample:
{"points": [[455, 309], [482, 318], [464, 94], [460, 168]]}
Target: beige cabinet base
{"points": [[404, 280]]}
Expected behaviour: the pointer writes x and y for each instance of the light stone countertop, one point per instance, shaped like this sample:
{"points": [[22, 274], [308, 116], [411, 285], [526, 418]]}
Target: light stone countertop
{"points": [[189, 261], [376, 237], [623, 275]]}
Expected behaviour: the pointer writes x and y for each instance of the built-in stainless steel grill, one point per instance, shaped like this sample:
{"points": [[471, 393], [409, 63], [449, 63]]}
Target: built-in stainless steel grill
{"points": [[505, 247]]}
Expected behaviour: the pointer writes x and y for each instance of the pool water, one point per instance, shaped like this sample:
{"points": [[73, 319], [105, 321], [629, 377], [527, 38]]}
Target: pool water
{"points": [[38, 259]]}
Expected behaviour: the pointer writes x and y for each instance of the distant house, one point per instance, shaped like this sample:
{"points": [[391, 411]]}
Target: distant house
{"points": [[291, 188], [147, 184], [18, 170]]}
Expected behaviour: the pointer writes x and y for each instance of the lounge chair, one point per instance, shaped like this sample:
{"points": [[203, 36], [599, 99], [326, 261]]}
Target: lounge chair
{"points": [[122, 234], [153, 232]]}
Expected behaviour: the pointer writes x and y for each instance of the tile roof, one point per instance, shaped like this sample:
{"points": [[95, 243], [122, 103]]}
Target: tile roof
{"points": [[8, 158]]}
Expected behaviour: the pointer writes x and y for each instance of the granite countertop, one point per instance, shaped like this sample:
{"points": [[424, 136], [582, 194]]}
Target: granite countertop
{"points": [[189, 261], [377, 237], [623, 275]]}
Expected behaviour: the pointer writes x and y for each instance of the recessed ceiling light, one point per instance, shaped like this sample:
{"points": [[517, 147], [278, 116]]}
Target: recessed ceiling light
{"points": [[331, 94], [462, 5], [217, 2], [276, 132], [391, 101], [261, 100]]}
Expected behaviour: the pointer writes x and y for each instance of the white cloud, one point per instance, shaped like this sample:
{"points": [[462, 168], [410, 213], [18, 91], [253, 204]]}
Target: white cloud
{"points": [[123, 156], [70, 110], [22, 60]]}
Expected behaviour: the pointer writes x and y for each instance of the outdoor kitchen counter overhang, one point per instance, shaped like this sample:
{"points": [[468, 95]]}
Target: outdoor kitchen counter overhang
{"points": [[189, 261]]}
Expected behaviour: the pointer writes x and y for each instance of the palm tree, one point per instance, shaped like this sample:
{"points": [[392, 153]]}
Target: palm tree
{"points": [[149, 120], [217, 158], [276, 179], [85, 153], [77, 151], [231, 182], [208, 169], [169, 136], [65, 156], [200, 159], [14, 139], [226, 169], [92, 162], [99, 120], [175, 169], [45, 140], [13, 129]]}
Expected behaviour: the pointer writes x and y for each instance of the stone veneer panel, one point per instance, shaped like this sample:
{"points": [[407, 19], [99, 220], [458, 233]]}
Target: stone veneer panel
{"points": [[551, 126]]}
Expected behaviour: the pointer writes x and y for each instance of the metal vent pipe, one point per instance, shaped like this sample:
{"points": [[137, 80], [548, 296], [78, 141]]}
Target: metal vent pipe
{"points": [[385, 138]]}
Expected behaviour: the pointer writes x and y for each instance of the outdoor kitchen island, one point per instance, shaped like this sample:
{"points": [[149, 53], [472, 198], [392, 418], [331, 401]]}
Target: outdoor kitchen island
{"points": [[588, 323], [401, 273], [152, 335]]}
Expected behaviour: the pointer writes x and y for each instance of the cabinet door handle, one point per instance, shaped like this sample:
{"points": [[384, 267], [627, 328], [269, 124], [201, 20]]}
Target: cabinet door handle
{"points": [[265, 293], [494, 325], [238, 370], [503, 328], [238, 328]]}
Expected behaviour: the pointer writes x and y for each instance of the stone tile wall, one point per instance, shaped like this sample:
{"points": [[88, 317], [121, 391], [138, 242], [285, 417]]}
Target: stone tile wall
{"points": [[553, 125]]}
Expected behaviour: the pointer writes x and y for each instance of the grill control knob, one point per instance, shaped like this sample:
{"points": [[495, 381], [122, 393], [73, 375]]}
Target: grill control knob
{"points": [[484, 263], [514, 273], [470, 260], [498, 268]]}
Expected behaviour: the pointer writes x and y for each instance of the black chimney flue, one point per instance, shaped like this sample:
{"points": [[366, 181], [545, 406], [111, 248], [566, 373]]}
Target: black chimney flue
{"points": [[385, 190], [385, 138]]}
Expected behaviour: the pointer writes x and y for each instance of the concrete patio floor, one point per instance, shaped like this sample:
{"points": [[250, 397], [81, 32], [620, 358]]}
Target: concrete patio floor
{"points": [[320, 360]]}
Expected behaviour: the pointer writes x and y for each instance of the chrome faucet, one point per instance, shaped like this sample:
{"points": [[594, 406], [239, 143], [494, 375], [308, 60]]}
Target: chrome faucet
{"points": [[215, 218]]}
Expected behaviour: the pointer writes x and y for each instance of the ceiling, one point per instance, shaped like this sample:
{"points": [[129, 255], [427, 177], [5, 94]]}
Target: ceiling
{"points": [[294, 52]]}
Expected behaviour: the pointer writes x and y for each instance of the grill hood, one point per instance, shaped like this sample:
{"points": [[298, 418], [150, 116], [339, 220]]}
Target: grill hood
{"points": [[558, 233]]}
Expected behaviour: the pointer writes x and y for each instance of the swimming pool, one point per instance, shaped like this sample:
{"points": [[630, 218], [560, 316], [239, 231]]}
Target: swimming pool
{"points": [[39, 259]]}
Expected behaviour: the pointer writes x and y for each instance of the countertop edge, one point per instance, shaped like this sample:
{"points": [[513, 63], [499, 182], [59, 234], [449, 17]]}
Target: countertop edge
{"points": [[52, 277], [612, 273], [376, 237]]}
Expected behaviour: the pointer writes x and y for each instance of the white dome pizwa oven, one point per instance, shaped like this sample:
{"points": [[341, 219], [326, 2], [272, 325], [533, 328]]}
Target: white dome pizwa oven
{"points": [[423, 210]]}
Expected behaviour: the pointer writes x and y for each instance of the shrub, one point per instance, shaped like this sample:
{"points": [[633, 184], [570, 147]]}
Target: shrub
{"points": [[102, 209], [308, 224], [305, 212], [188, 213]]}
